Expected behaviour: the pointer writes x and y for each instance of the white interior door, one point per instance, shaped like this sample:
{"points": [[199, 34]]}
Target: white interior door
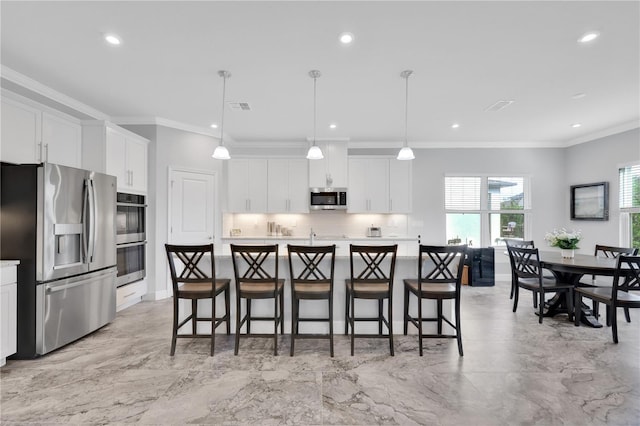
{"points": [[192, 207]]}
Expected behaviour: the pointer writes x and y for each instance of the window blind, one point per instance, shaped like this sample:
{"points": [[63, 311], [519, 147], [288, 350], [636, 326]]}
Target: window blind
{"points": [[629, 178], [462, 192]]}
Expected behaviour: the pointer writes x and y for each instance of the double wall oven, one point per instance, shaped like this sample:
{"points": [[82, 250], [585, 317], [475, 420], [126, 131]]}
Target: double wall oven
{"points": [[131, 238]]}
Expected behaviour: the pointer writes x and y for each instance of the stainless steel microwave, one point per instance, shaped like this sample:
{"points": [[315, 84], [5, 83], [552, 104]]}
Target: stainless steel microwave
{"points": [[328, 199]]}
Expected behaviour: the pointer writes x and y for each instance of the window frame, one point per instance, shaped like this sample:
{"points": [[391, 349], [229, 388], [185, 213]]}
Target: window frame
{"points": [[625, 230], [485, 212]]}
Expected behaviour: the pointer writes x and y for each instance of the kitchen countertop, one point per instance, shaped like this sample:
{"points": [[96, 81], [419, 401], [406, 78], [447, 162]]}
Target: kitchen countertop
{"points": [[5, 263], [322, 238]]}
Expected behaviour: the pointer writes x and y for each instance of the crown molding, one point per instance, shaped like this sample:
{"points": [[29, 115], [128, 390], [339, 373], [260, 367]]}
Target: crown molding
{"points": [[48, 96], [458, 144], [630, 125]]}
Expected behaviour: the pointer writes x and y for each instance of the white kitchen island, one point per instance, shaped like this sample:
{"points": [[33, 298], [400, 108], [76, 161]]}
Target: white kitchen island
{"points": [[406, 267]]}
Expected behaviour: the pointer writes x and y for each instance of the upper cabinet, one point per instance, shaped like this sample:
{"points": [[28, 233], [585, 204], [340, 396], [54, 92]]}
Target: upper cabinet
{"points": [[116, 151], [33, 135], [247, 186], [288, 188], [400, 186], [331, 171], [379, 186]]}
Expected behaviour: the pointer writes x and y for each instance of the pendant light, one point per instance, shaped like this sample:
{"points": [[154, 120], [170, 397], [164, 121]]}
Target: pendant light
{"points": [[221, 152], [314, 153], [406, 153]]}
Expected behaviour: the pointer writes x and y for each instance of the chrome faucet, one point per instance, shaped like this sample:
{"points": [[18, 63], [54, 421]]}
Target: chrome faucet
{"points": [[312, 235]]}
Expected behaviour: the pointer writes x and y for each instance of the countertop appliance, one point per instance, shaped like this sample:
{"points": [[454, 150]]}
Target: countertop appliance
{"points": [[328, 199], [374, 231], [60, 223]]}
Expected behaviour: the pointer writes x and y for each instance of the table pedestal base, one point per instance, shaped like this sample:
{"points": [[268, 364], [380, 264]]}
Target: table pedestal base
{"points": [[558, 305]]}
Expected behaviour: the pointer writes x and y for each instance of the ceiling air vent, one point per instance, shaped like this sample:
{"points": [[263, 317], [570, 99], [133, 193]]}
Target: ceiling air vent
{"points": [[239, 106], [499, 105]]}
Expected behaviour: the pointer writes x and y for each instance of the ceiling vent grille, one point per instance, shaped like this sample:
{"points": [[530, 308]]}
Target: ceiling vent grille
{"points": [[499, 105], [239, 106]]}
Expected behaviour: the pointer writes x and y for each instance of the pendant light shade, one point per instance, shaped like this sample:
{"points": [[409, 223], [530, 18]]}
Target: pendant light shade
{"points": [[406, 153], [314, 153], [221, 152]]}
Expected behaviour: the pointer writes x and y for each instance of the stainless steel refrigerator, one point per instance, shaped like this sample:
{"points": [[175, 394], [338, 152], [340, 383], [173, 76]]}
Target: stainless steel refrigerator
{"points": [[60, 223]]}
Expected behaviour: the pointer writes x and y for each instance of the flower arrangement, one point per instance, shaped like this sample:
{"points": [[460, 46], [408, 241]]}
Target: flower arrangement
{"points": [[564, 239]]}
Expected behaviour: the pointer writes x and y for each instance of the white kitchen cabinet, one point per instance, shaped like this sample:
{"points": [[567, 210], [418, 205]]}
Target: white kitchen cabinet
{"points": [[379, 186], [247, 186], [8, 310], [400, 186], [331, 171], [368, 185], [116, 151], [288, 188], [130, 294], [34, 135]]}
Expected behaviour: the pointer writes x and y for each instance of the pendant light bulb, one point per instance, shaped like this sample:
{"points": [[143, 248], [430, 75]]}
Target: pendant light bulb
{"points": [[406, 153], [314, 153], [221, 152]]}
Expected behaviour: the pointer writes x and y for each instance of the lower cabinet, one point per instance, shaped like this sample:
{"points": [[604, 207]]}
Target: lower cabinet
{"points": [[130, 294], [8, 312]]}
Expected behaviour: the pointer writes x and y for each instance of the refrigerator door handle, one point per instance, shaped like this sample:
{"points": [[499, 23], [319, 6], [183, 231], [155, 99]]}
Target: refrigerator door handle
{"points": [[92, 219], [85, 220]]}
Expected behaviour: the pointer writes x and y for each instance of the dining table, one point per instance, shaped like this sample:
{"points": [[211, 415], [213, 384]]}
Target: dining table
{"points": [[571, 270]]}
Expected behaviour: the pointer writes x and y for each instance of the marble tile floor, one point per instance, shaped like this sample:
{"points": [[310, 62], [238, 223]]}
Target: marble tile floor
{"points": [[514, 372]]}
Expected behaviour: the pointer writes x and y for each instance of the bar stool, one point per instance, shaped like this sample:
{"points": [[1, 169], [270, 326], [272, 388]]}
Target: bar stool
{"points": [[439, 278], [256, 277], [372, 269], [196, 280], [311, 270]]}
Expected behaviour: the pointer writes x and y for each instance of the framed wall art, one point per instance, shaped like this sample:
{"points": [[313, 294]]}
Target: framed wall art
{"points": [[590, 201]]}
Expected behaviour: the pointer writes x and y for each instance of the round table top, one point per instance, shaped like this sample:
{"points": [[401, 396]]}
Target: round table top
{"points": [[580, 264]]}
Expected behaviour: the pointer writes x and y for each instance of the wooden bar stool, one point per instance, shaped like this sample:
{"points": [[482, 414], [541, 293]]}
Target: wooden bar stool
{"points": [[439, 278], [192, 278], [372, 269], [311, 270], [256, 277]]}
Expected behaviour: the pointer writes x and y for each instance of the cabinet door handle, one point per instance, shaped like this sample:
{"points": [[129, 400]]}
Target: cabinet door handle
{"points": [[40, 157], [46, 150], [390, 205]]}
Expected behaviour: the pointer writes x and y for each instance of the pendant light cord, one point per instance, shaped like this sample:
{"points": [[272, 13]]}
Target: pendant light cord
{"points": [[224, 87], [406, 111], [315, 80]]}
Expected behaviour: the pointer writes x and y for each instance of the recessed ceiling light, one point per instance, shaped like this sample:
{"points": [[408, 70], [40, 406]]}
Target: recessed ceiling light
{"points": [[333, 125], [455, 125], [214, 126], [578, 96], [346, 38], [112, 39], [590, 36], [576, 125]]}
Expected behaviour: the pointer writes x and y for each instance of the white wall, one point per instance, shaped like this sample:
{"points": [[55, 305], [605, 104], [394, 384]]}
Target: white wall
{"points": [[544, 166], [170, 148], [598, 161]]}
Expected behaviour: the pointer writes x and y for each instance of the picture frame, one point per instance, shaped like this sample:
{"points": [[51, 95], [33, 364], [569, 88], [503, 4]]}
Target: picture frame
{"points": [[590, 201]]}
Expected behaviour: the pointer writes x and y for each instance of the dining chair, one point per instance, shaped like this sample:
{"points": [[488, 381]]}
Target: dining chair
{"points": [[439, 278], [528, 273], [311, 271], [371, 277], [193, 277], [609, 252], [626, 277], [255, 269], [514, 242]]}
